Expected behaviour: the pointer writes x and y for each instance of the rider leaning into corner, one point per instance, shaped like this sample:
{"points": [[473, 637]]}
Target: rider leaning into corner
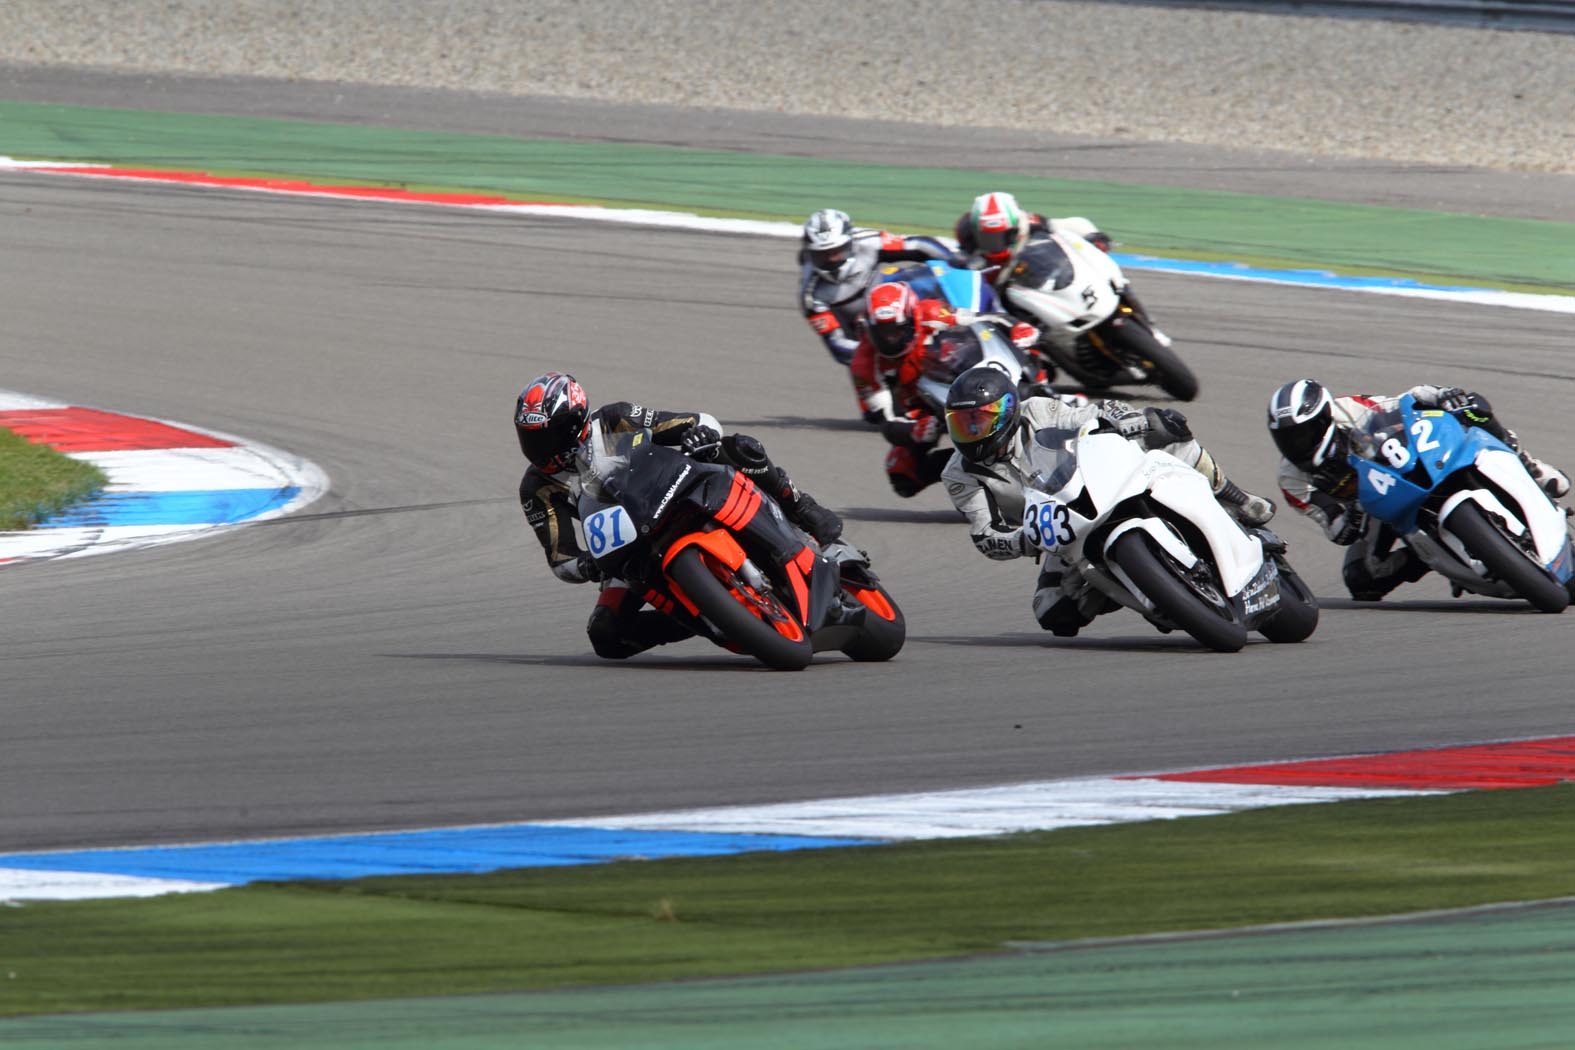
{"points": [[1312, 429], [551, 417], [991, 429], [896, 336], [990, 232], [838, 264]]}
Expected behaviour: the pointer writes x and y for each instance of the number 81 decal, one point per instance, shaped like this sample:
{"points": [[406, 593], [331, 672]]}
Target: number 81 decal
{"points": [[1048, 524], [606, 531]]}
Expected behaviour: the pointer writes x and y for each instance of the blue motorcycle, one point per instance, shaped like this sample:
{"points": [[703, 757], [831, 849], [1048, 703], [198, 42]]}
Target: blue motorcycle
{"points": [[962, 288], [1463, 501]]}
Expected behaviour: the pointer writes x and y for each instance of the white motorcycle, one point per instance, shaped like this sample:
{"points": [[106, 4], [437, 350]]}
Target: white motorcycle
{"points": [[1093, 328], [1145, 530]]}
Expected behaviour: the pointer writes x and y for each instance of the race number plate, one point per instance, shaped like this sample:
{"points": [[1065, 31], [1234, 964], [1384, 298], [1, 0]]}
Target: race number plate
{"points": [[607, 530], [1048, 524]]}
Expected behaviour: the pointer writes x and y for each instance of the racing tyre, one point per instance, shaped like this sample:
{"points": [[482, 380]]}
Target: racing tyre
{"points": [[758, 623], [1161, 362], [884, 629], [1216, 624], [1505, 560], [1297, 617]]}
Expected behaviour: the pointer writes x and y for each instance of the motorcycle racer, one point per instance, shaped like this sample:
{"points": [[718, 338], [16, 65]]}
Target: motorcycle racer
{"points": [[1312, 429], [991, 429], [896, 335], [551, 417], [837, 266], [996, 224]]}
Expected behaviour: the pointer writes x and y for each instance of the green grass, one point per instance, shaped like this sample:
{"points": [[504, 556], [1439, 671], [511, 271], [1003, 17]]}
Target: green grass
{"points": [[36, 481], [661, 920]]}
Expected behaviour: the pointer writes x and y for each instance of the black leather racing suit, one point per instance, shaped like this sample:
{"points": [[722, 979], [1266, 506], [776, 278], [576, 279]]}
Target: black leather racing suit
{"points": [[618, 626]]}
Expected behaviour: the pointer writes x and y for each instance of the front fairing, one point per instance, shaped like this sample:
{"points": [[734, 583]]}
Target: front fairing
{"points": [[1403, 454]]}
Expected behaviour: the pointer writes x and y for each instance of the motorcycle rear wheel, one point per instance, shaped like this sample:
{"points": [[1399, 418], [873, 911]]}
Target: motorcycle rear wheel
{"points": [[1174, 599], [1505, 560], [1163, 366], [741, 613]]}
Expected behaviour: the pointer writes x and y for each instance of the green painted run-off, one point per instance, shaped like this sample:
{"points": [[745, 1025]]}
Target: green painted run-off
{"points": [[1435, 246]]}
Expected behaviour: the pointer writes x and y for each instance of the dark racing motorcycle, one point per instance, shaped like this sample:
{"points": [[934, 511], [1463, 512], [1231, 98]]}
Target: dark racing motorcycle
{"points": [[706, 546]]}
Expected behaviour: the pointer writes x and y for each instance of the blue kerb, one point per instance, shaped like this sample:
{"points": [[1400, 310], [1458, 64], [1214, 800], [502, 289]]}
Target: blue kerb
{"points": [[209, 507], [449, 851], [1315, 278]]}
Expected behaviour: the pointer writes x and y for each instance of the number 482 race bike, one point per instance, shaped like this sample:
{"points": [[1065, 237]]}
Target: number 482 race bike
{"points": [[1144, 528], [706, 546], [1463, 501]]}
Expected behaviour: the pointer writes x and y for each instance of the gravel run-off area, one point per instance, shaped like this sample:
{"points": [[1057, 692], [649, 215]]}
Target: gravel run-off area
{"points": [[1396, 91]]}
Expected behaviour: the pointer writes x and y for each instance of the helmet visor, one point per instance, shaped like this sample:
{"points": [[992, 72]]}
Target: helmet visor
{"points": [[1307, 444], [892, 338], [970, 425], [996, 239], [830, 260]]}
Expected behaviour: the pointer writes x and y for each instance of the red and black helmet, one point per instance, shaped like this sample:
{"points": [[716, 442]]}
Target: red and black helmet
{"points": [[889, 314], [550, 419]]}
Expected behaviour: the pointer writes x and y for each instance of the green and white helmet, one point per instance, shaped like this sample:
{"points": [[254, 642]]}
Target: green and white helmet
{"points": [[997, 223]]}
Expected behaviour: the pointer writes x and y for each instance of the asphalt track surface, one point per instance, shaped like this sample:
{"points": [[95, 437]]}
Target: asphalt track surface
{"points": [[399, 656]]}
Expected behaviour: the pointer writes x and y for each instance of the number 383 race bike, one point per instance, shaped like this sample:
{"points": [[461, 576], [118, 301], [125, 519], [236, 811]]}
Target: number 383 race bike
{"points": [[1463, 501], [1144, 529], [707, 547]]}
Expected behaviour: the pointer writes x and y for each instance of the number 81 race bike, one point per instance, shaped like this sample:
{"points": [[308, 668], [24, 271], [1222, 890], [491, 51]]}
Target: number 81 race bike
{"points": [[707, 547], [1463, 501]]}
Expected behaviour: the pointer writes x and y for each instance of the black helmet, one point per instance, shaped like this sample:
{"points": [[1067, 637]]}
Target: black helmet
{"points": [[981, 412], [1301, 421], [550, 420]]}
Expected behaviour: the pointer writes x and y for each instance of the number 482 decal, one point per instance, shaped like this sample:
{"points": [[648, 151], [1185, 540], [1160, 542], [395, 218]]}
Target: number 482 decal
{"points": [[1048, 524], [1399, 456]]}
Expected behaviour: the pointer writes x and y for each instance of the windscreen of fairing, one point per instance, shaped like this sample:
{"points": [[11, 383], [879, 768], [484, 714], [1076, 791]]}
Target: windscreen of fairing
{"points": [[1043, 262]]}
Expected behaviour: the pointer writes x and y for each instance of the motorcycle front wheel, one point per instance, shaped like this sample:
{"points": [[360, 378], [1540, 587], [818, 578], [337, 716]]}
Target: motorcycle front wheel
{"points": [[1214, 624], [755, 621], [1297, 617], [884, 630], [1488, 545]]}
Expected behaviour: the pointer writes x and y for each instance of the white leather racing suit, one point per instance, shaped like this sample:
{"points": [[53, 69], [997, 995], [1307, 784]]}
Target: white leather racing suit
{"points": [[990, 495]]}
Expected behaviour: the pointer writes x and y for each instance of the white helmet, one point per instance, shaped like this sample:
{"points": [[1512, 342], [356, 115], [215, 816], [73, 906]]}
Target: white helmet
{"points": [[828, 242], [1301, 421]]}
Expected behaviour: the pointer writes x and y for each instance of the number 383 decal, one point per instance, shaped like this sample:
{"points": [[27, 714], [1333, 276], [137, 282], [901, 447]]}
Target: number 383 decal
{"points": [[1048, 524]]}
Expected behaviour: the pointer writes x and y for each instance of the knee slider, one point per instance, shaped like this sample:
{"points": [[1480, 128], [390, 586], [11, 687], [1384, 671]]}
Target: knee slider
{"points": [[606, 639], [902, 470]]}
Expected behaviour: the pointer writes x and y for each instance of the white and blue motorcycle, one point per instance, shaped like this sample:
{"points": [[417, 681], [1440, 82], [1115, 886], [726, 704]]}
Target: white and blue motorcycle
{"points": [[1463, 501]]}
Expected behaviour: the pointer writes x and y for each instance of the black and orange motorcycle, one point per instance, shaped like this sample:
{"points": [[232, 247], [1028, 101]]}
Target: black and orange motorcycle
{"points": [[706, 546]]}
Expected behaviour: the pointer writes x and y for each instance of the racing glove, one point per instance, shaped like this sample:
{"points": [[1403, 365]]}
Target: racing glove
{"points": [[1345, 527], [1166, 426], [1129, 422], [701, 443], [581, 570]]}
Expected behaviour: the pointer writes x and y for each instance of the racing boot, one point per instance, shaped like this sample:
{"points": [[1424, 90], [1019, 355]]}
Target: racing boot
{"points": [[1554, 481], [799, 506], [1252, 511]]}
